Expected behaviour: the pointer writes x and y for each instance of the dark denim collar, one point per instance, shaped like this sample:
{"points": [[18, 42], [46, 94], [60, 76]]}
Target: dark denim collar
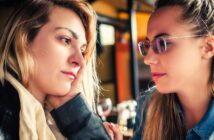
{"points": [[205, 127]]}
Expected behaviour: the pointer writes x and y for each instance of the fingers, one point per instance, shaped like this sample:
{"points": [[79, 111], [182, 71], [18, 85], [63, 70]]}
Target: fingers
{"points": [[116, 131], [113, 131], [80, 73], [108, 129], [75, 85]]}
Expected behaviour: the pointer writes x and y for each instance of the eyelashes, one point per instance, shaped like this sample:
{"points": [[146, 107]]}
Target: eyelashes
{"points": [[83, 54], [67, 41]]}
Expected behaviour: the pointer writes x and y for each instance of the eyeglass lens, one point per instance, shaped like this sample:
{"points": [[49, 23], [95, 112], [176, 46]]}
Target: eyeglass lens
{"points": [[158, 45]]}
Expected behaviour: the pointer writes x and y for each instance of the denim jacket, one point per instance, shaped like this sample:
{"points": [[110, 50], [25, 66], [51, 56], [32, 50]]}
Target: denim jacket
{"points": [[204, 130]]}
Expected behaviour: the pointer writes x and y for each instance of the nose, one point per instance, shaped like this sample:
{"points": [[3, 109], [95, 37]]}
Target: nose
{"points": [[76, 58], [150, 58]]}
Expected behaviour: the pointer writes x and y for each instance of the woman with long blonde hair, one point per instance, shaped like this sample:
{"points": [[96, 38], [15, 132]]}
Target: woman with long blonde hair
{"points": [[47, 59], [179, 50]]}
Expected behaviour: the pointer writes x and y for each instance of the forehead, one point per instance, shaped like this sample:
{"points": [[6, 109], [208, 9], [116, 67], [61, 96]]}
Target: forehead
{"points": [[168, 20], [66, 18]]}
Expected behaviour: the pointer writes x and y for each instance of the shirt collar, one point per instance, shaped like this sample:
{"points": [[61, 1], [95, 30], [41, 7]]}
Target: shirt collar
{"points": [[205, 127]]}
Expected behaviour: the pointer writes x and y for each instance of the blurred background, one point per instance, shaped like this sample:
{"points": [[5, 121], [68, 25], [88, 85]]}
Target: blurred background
{"points": [[121, 25]]}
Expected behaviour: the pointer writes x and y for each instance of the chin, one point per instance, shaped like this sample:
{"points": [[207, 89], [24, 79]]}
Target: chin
{"points": [[165, 87], [62, 92], [164, 90]]}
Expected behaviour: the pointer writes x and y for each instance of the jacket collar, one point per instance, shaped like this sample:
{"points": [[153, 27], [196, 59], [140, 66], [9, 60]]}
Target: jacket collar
{"points": [[205, 127]]}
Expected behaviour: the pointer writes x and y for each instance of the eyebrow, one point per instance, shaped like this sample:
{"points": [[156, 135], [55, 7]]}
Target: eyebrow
{"points": [[73, 34], [71, 31], [159, 35]]}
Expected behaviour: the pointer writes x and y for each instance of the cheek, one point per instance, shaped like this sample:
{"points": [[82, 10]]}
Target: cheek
{"points": [[48, 55], [47, 68], [46, 51], [178, 67], [183, 58], [183, 69], [43, 61], [48, 75]]}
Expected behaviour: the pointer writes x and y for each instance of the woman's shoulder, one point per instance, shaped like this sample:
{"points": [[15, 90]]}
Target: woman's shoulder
{"points": [[9, 111]]}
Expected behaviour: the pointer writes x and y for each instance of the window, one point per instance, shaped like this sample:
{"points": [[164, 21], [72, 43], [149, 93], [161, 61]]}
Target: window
{"points": [[107, 34]]}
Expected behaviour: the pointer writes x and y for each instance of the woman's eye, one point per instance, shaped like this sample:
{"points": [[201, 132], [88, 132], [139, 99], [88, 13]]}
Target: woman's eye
{"points": [[83, 54], [168, 42], [65, 40]]}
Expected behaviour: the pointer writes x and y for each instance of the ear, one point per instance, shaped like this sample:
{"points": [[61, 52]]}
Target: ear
{"points": [[208, 48]]}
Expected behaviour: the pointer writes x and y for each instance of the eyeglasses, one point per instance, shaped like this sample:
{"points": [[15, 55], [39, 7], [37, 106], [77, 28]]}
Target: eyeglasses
{"points": [[159, 45]]}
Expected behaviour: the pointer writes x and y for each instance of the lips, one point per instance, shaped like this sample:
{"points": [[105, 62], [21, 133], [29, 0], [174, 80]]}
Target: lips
{"points": [[156, 75], [70, 75]]}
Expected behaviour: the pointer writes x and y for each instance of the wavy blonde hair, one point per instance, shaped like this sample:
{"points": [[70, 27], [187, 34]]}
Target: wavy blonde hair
{"points": [[163, 121], [23, 26]]}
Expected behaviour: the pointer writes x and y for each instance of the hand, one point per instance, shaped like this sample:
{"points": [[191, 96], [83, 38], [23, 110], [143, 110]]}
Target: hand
{"points": [[53, 102], [113, 131]]}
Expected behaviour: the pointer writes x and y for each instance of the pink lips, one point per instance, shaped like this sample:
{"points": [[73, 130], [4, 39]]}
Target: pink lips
{"points": [[70, 75], [156, 76]]}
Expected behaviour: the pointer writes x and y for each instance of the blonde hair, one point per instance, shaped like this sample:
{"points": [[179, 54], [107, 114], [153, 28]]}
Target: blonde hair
{"points": [[24, 25], [162, 118]]}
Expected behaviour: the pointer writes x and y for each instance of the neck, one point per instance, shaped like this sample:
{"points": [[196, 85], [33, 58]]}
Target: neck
{"points": [[195, 102], [36, 93]]}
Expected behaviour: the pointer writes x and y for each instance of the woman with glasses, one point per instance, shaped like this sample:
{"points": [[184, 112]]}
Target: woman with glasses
{"points": [[179, 50]]}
